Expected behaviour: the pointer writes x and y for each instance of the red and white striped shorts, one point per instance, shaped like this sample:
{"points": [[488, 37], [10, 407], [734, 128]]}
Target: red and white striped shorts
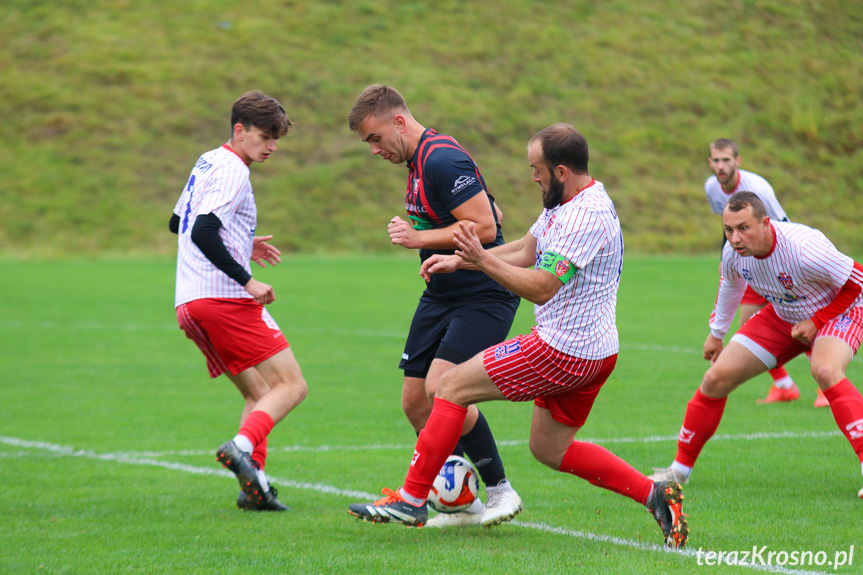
{"points": [[233, 334], [526, 368], [773, 334]]}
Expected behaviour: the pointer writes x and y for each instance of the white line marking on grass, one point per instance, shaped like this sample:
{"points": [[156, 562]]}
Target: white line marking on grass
{"points": [[132, 459], [690, 553], [126, 458], [518, 442]]}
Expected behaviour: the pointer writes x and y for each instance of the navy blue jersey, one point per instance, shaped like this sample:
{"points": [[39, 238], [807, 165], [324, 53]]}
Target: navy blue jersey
{"points": [[442, 177]]}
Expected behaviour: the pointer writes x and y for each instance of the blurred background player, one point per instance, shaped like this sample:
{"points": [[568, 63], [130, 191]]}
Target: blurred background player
{"points": [[221, 307], [728, 178], [460, 314], [569, 265], [816, 305]]}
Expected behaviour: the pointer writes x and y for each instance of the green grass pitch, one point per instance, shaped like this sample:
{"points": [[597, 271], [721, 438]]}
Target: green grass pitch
{"points": [[109, 425]]}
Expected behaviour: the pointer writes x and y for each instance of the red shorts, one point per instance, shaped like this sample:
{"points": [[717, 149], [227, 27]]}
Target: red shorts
{"points": [[772, 335], [750, 297], [526, 368], [233, 334]]}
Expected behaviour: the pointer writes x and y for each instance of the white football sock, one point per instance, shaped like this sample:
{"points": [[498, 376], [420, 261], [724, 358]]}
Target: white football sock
{"points": [[244, 443], [680, 468], [410, 498], [784, 383]]}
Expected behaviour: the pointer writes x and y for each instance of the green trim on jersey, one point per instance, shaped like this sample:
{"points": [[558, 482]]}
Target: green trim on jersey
{"points": [[421, 223], [558, 266]]}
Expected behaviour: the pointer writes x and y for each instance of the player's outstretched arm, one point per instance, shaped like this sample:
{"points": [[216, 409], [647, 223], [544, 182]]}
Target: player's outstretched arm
{"points": [[261, 250], [534, 285], [475, 210], [441, 264]]}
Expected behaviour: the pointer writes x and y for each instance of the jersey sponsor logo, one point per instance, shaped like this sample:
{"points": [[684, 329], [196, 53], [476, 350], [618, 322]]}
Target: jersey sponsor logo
{"points": [[786, 280], [252, 230], [561, 268], [686, 435], [787, 298], [415, 457], [461, 183], [506, 349], [416, 184], [855, 429]]}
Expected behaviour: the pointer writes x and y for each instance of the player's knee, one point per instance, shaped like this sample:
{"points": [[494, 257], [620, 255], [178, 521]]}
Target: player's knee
{"points": [[542, 453], [825, 373], [716, 383]]}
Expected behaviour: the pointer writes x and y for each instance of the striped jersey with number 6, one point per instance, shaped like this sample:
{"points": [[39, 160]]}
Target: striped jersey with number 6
{"points": [[219, 184]]}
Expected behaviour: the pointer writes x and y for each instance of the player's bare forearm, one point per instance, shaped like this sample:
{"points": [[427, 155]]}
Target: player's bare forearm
{"points": [[536, 286]]}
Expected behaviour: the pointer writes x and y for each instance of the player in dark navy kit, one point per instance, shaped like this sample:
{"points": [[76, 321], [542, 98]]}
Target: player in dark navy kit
{"points": [[459, 314]]}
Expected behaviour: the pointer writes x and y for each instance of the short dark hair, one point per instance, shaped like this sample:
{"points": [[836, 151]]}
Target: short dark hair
{"points": [[740, 200], [256, 109], [376, 100], [724, 144], [563, 145]]}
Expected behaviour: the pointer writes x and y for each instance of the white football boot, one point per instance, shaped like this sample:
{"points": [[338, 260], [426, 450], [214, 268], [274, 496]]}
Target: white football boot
{"points": [[502, 504], [470, 516]]}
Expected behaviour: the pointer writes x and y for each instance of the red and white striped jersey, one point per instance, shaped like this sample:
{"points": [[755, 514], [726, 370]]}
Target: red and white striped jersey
{"points": [[580, 319], [717, 197], [802, 274], [219, 184]]}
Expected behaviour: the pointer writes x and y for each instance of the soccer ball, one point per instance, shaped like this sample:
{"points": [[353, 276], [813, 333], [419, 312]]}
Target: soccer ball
{"points": [[456, 486]]}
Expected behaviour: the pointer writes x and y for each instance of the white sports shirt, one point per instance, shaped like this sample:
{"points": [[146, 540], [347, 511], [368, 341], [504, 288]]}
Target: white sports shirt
{"points": [[746, 182], [802, 275], [580, 319], [219, 184]]}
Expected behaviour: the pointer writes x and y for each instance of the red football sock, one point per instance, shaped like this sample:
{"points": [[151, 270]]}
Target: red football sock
{"points": [[847, 406], [703, 415], [436, 442], [602, 468], [257, 427], [259, 455]]}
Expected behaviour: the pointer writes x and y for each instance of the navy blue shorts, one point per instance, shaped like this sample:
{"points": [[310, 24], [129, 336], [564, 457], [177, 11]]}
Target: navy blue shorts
{"points": [[456, 330]]}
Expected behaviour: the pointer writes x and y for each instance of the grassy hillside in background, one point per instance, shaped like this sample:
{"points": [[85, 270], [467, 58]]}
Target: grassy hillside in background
{"points": [[105, 107]]}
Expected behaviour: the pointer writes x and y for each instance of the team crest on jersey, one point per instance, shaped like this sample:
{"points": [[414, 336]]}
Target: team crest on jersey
{"points": [[842, 324], [461, 183], [506, 349], [747, 275], [561, 268], [786, 280]]}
